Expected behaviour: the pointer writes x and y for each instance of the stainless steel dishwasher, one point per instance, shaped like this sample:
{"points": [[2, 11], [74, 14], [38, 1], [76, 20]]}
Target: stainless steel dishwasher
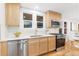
{"points": [[25, 46], [15, 48]]}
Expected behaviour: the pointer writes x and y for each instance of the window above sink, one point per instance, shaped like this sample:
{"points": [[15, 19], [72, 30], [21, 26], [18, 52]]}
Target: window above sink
{"points": [[27, 20], [39, 21], [31, 19]]}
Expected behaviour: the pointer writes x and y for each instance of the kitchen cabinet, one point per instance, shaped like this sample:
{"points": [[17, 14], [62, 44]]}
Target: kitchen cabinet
{"points": [[33, 47], [3, 49], [12, 14], [0, 49], [43, 45], [51, 43], [52, 15], [39, 46]]}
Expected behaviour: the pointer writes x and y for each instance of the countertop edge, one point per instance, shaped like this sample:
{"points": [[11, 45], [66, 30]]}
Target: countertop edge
{"points": [[24, 38]]}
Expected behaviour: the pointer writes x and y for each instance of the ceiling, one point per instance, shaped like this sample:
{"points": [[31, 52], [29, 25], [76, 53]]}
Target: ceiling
{"points": [[69, 10]]}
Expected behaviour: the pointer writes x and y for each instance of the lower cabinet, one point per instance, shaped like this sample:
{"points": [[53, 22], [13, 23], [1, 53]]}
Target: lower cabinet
{"points": [[39, 46], [33, 47], [51, 43], [0, 49], [3, 49], [43, 45], [30, 47]]}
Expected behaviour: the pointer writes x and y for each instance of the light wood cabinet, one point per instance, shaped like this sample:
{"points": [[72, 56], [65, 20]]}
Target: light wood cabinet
{"points": [[39, 46], [0, 49], [51, 15], [12, 14], [43, 45], [33, 47], [51, 43], [54, 15], [3, 49]]}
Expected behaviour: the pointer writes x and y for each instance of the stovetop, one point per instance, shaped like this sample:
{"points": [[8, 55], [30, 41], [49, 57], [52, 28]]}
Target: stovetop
{"points": [[58, 35]]}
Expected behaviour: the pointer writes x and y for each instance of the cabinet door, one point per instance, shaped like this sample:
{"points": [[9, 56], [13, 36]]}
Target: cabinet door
{"points": [[0, 49], [51, 43], [54, 15], [4, 49], [47, 21], [12, 14], [43, 45], [33, 47]]}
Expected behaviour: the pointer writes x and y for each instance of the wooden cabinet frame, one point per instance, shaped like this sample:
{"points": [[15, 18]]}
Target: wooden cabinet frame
{"points": [[3, 49], [39, 46], [12, 14]]}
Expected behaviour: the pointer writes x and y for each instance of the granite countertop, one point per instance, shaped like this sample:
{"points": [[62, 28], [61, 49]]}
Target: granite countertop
{"points": [[25, 37]]}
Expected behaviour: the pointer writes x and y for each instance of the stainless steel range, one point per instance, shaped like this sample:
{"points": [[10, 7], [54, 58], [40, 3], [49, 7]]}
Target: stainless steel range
{"points": [[60, 40]]}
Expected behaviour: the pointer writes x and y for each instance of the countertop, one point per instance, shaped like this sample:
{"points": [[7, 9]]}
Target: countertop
{"points": [[25, 37]]}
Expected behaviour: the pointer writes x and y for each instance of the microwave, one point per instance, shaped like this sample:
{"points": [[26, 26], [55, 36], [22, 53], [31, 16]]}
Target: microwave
{"points": [[55, 24]]}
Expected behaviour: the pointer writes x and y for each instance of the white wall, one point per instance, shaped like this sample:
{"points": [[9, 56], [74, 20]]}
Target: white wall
{"points": [[2, 20], [26, 31], [34, 13], [75, 20]]}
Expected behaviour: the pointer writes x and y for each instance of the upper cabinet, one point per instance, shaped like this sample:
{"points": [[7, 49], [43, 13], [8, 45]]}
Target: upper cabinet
{"points": [[51, 15], [3, 49], [12, 14]]}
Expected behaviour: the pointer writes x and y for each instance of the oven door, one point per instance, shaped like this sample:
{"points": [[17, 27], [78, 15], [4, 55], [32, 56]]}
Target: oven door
{"points": [[60, 41]]}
